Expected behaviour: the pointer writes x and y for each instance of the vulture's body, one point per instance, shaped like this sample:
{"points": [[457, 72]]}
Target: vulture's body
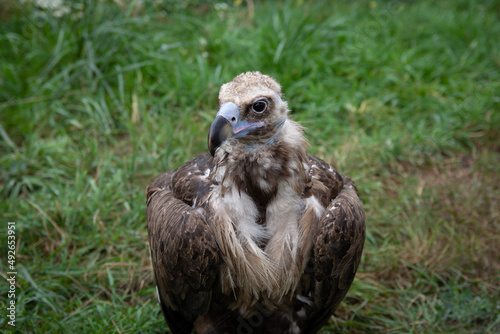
{"points": [[261, 237]]}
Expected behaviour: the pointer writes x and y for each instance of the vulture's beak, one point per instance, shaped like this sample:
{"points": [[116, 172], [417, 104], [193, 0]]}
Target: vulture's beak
{"points": [[227, 124]]}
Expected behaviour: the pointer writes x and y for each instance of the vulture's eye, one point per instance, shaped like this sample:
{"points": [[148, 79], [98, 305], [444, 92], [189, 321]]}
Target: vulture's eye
{"points": [[259, 106]]}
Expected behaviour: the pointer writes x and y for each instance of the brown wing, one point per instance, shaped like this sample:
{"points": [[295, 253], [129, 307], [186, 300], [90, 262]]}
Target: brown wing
{"points": [[183, 250], [338, 245], [326, 182], [190, 182]]}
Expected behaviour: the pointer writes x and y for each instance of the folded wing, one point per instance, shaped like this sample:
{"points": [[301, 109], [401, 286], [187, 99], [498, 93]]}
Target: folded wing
{"points": [[183, 249]]}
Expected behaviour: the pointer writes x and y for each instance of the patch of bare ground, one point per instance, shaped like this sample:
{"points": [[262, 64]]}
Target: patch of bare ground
{"points": [[466, 196], [446, 220]]}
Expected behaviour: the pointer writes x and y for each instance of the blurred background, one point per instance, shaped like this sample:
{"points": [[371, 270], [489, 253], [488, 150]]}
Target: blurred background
{"points": [[97, 97]]}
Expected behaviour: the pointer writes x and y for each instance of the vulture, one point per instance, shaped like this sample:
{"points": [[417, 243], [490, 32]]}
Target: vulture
{"points": [[256, 235]]}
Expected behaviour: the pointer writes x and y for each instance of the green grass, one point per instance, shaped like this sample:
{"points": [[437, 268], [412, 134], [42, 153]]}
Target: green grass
{"points": [[403, 96]]}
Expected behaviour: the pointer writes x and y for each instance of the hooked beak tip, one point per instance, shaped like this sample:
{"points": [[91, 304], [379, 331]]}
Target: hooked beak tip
{"points": [[220, 130]]}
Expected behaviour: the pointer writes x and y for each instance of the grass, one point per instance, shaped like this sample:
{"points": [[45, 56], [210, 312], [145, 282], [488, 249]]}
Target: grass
{"points": [[403, 96]]}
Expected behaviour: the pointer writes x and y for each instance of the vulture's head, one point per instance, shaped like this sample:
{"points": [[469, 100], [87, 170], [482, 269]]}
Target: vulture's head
{"points": [[251, 112]]}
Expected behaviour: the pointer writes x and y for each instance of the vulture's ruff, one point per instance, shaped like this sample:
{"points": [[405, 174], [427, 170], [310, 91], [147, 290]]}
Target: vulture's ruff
{"points": [[258, 236]]}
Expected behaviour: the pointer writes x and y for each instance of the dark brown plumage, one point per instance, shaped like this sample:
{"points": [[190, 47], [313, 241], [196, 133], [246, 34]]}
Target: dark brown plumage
{"points": [[261, 237]]}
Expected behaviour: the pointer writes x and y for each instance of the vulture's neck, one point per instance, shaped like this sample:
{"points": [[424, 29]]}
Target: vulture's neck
{"points": [[259, 169]]}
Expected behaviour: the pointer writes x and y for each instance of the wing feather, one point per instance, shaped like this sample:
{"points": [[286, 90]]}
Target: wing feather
{"points": [[183, 250], [190, 181], [338, 243]]}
